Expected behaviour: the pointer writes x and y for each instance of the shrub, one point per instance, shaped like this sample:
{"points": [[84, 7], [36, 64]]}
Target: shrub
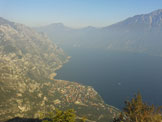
{"points": [[59, 116]]}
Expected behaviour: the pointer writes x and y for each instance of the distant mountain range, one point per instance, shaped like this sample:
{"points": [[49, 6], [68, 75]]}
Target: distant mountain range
{"points": [[140, 33], [66, 36], [28, 61]]}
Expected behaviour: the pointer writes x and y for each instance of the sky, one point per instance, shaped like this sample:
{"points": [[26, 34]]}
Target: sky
{"points": [[74, 13]]}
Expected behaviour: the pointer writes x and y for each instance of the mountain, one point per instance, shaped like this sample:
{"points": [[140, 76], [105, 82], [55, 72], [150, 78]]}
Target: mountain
{"points": [[144, 21], [28, 61], [66, 36], [140, 33]]}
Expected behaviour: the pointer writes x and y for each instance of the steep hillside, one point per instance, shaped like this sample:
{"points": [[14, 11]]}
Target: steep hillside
{"points": [[28, 61], [140, 33]]}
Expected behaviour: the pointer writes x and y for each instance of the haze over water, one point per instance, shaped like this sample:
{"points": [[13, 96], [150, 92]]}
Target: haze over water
{"points": [[116, 75]]}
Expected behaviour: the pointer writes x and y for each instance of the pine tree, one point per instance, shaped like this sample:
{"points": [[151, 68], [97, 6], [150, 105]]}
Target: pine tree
{"points": [[137, 111]]}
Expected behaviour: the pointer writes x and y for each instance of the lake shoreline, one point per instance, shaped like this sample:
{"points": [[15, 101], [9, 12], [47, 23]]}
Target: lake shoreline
{"points": [[115, 82]]}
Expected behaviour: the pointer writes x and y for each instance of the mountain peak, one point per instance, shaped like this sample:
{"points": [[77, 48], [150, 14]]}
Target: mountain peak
{"points": [[57, 25], [159, 11], [89, 27], [149, 20], [4, 21]]}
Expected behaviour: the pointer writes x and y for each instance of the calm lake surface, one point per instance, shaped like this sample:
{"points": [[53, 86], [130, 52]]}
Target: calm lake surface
{"points": [[116, 75]]}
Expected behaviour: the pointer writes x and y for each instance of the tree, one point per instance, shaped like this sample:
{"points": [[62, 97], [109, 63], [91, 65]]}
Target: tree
{"points": [[137, 111], [59, 116]]}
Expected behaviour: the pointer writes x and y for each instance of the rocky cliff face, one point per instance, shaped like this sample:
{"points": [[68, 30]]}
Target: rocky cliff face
{"points": [[28, 61]]}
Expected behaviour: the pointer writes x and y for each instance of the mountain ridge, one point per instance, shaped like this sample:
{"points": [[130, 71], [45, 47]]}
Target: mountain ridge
{"points": [[154, 19], [136, 34]]}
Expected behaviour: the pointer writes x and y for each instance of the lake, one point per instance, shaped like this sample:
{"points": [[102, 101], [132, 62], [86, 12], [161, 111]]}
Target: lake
{"points": [[116, 75]]}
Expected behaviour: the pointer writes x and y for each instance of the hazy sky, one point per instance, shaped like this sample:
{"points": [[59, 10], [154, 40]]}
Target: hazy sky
{"points": [[74, 13]]}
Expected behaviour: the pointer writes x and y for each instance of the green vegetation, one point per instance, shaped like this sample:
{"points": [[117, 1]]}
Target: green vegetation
{"points": [[137, 111], [59, 116]]}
